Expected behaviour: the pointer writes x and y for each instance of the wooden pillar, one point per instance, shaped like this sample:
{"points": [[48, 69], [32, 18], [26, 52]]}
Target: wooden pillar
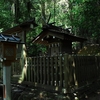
{"points": [[7, 82], [22, 55]]}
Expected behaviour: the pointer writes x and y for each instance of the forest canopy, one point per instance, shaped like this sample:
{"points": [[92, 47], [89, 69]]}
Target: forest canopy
{"points": [[81, 16]]}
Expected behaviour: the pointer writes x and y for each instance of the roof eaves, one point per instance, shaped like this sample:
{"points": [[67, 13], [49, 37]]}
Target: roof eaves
{"points": [[21, 27]]}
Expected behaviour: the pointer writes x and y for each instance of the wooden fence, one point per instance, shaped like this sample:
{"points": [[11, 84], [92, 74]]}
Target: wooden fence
{"points": [[50, 71], [63, 71], [87, 69]]}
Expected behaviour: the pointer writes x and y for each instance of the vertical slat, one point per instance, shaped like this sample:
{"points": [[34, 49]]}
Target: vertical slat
{"points": [[85, 69], [66, 71], [75, 71], [52, 71], [63, 64], [35, 72], [70, 71], [56, 71], [37, 65], [98, 65], [38, 69], [25, 75], [96, 69], [48, 71], [41, 70], [82, 74], [89, 68], [50, 63], [44, 71], [32, 69], [78, 71], [26, 71], [60, 67], [29, 70]]}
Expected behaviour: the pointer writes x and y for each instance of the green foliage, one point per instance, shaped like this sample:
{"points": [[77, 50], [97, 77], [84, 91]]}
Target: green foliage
{"points": [[82, 16], [5, 16], [33, 49], [92, 17]]}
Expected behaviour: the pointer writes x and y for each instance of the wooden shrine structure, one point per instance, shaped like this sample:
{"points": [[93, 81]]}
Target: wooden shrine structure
{"points": [[21, 30], [57, 40]]}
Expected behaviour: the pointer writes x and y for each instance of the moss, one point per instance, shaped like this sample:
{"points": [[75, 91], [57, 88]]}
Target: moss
{"points": [[93, 49]]}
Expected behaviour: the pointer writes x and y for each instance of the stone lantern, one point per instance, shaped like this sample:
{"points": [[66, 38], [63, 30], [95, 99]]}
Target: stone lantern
{"points": [[7, 56]]}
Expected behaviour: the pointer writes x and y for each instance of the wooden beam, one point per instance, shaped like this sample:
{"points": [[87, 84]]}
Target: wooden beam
{"points": [[26, 26]]}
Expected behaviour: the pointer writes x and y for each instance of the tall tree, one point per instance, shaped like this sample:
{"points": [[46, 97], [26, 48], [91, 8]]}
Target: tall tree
{"points": [[5, 16], [84, 18]]}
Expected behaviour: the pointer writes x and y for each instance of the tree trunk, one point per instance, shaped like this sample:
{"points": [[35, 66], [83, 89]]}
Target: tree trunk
{"points": [[43, 13]]}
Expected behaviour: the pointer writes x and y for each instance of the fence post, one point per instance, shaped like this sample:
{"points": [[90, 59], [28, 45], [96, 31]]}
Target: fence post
{"points": [[34, 62], [44, 70], [52, 71], [41, 69], [48, 70], [61, 71], [56, 70], [66, 71]]}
